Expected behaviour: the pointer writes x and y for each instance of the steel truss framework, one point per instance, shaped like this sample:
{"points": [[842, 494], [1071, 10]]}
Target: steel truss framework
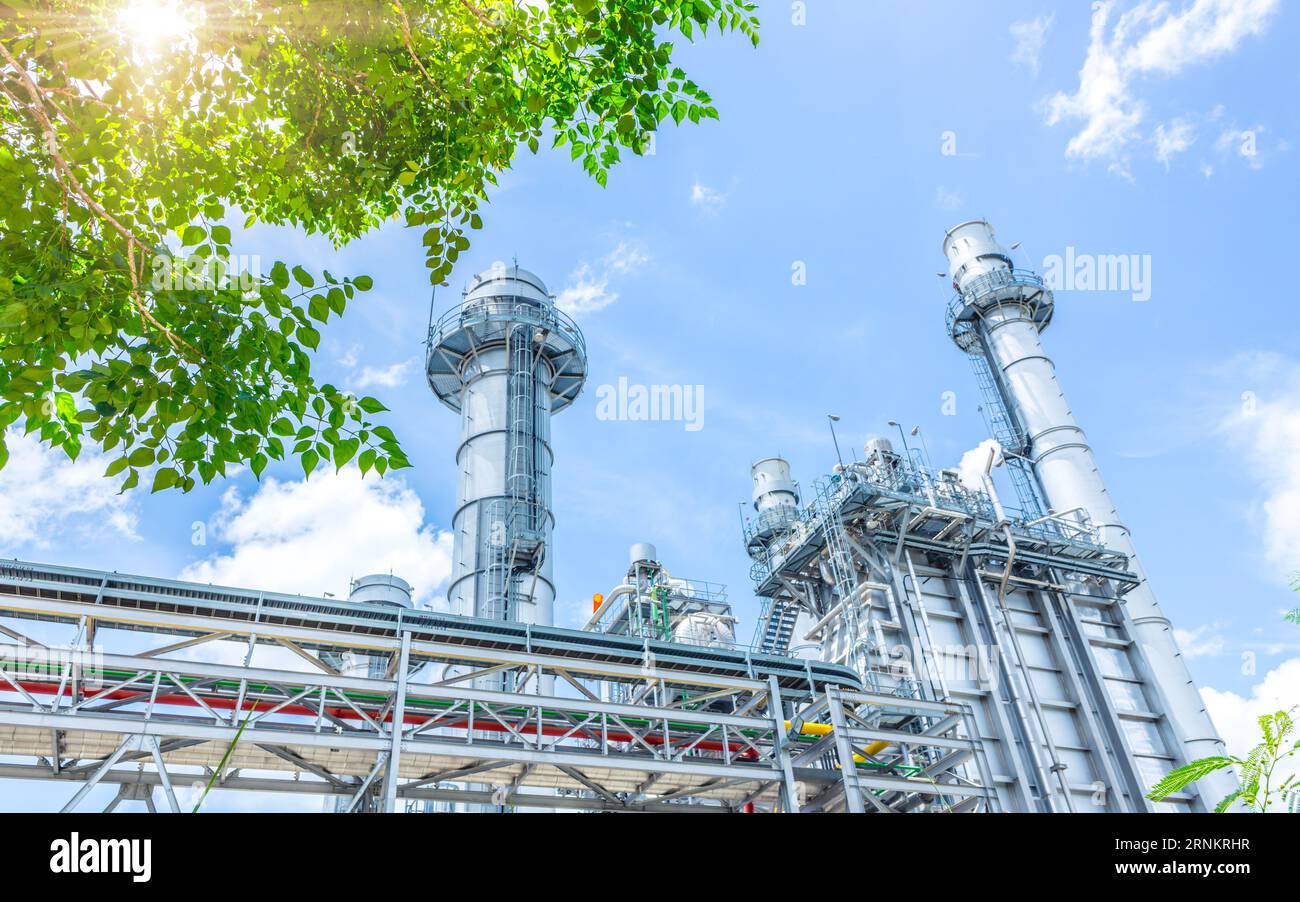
{"points": [[1067, 711], [691, 734]]}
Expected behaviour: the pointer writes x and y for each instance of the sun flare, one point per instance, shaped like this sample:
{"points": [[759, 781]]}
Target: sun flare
{"points": [[154, 26]]}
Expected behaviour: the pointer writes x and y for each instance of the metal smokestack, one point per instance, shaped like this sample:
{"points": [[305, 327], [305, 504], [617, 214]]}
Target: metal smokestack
{"points": [[998, 314], [505, 359]]}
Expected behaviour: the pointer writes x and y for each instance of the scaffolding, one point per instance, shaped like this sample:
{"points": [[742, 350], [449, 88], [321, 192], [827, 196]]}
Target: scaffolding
{"points": [[709, 730]]}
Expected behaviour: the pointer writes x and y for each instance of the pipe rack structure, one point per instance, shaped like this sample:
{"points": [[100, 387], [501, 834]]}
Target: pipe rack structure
{"points": [[707, 729]]}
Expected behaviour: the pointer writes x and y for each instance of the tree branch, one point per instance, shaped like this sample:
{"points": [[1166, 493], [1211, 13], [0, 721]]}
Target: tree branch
{"points": [[70, 181]]}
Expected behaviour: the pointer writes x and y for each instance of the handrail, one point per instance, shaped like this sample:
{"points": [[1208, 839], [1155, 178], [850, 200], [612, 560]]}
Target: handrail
{"points": [[506, 309]]}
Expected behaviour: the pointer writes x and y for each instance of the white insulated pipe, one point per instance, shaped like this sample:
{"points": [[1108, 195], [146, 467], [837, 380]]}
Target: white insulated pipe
{"points": [[1069, 476]]}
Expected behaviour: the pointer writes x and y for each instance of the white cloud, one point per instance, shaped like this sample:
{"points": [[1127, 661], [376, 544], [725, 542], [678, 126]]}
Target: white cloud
{"points": [[43, 495], [948, 200], [1149, 39], [625, 258], [1030, 37], [588, 288], [315, 536], [707, 199], [1266, 427], [1204, 641], [587, 292], [1174, 139], [1204, 30], [1244, 143], [1237, 717], [973, 463], [387, 377]]}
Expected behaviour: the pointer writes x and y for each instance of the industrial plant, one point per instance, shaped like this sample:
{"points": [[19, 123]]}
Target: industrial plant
{"points": [[924, 644]]}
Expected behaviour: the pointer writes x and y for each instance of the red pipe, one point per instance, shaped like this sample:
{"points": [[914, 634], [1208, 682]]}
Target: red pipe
{"points": [[490, 726]]}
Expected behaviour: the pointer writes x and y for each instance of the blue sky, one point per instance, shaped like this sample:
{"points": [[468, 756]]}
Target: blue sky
{"points": [[1173, 139]]}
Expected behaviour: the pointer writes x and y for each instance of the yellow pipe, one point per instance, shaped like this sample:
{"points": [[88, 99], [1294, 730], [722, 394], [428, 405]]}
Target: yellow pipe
{"points": [[824, 729]]}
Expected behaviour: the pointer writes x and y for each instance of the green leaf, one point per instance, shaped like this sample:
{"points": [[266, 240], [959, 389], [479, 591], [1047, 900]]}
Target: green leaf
{"points": [[1227, 801], [309, 461], [371, 405], [280, 275], [164, 478], [367, 460], [364, 283], [337, 300], [344, 451], [317, 309], [1184, 776]]}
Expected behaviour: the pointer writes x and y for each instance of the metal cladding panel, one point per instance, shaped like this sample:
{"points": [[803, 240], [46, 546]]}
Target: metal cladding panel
{"points": [[500, 279], [1068, 473]]}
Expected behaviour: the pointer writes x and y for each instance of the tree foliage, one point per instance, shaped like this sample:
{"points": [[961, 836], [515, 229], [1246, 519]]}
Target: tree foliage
{"points": [[122, 319], [1261, 784]]}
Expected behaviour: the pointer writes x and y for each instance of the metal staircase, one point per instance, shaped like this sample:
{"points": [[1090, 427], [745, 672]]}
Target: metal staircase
{"points": [[775, 626]]}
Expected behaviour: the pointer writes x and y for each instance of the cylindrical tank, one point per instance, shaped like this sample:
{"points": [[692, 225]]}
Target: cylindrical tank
{"points": [[773, 486], [1007, 313], [377, 588], [505, 359], [877, 446], [972, 250], [381, 588], [642, 551], [776, 502]]}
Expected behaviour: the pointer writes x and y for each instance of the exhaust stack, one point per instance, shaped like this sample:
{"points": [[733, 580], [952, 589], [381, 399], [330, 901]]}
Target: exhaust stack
{"points": [[505, 359], [998, 315]]}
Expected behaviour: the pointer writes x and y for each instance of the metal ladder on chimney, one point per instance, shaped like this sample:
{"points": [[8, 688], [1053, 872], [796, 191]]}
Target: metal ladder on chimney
{"points": [[1015, 444], [523, 532]]}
